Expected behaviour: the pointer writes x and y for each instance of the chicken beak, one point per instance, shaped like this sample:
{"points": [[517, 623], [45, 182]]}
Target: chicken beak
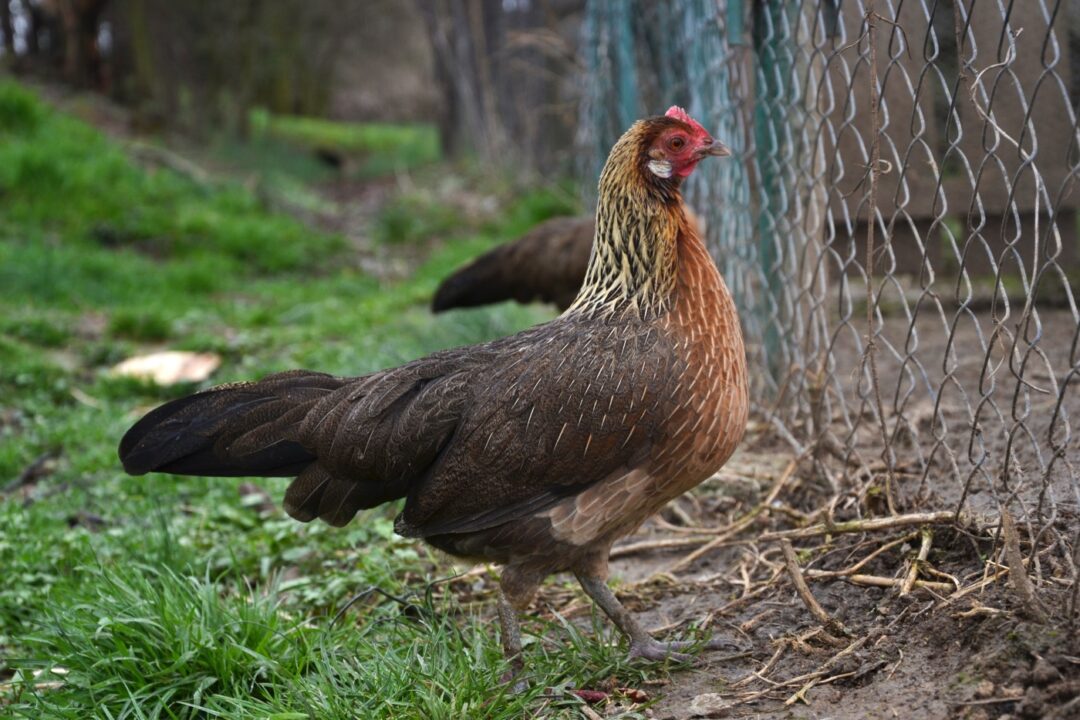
{"points": [[714, 148]]}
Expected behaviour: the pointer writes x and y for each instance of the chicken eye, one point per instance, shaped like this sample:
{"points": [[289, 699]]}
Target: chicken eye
{"points": [[677, 143]]}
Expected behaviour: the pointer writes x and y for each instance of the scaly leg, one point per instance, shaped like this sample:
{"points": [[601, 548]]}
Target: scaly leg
{"points": [[511, 643], [641, 643]]}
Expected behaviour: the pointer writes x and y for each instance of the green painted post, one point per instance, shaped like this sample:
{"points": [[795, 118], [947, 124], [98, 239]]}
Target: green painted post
{"points": [[626, 63], [774, 56]]}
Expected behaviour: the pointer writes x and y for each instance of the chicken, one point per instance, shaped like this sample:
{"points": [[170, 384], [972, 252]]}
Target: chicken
{"points": [[547, 264], [536, 451]]}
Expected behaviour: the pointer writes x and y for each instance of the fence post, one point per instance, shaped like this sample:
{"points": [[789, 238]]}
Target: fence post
{"points": [[772, 72]]}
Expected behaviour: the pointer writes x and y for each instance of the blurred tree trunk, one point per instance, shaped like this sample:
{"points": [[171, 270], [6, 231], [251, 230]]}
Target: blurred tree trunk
{"points": [[33, 35], [498, 67], [450, 112], [143, 84], [7, 30], [40, 24], [464, 37], [80, 20]]}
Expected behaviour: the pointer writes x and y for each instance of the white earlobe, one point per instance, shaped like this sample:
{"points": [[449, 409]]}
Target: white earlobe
{"points": [[660, 168]]}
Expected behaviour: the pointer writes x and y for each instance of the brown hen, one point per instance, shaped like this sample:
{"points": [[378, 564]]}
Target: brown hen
{"points": [[536, 451], [546, 264]]}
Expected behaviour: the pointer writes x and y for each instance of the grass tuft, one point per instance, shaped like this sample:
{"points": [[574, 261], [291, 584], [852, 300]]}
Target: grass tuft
{"points": [[20, 112], [146, 641]]}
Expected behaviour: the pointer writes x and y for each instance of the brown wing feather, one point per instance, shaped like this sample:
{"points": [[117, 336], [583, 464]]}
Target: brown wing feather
{"points": [[473, 437], [584, 405]]}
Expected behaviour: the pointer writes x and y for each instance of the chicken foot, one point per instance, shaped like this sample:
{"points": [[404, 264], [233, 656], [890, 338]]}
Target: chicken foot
{"points": [[642, 644]]}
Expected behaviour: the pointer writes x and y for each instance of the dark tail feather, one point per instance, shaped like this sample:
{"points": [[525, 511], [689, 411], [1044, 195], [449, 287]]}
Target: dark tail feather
{"points": [[229, 431]]}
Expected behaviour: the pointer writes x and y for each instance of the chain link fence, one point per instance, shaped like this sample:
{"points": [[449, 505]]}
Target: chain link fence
{"points": [[932, 354]]}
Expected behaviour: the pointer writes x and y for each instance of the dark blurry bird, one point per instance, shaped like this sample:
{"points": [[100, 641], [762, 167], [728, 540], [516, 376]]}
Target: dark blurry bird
{"points": [[546, 264], [535, 451]]}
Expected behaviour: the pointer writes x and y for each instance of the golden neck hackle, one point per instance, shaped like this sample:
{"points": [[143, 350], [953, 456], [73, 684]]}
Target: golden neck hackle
{"points": [[634, 261]]}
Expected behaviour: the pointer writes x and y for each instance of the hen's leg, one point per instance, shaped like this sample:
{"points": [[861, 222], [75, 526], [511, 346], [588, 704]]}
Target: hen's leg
{"points": [[642, 644], [517, 586], [511, 642]]}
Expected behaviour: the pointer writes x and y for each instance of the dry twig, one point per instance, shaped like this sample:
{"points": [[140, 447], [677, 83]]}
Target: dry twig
{"points": [[760, 674], [917, 563], [981, 584], [851, 570], [1018, 577], [878, 581], [944, 517], [797, 579], [657, 544]]}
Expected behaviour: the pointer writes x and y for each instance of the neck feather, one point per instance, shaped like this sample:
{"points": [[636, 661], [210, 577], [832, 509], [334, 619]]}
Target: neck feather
{"points": [[634, 261]]}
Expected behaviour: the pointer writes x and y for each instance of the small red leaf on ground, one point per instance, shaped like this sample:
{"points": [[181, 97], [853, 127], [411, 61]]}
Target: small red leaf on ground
{"points": [[591, 696]]}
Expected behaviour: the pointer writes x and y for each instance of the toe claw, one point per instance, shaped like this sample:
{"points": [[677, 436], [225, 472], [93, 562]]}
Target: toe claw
{"points": [[655, 650], [721, 644], [659, 651]]}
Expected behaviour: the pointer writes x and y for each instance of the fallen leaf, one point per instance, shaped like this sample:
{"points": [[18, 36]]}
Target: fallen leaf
{"points": [[591, 696], [169, 367]]}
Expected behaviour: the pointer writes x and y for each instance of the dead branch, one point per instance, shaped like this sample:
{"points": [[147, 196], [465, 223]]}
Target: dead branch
{"points": [[800, 694], [878, 581], [917, 563], [753, 594], [807, 677], [1018, 577], [944, 517], [661, 544], [824, 574], [152, 156], [760, 674], [979, 610], [981, 584], [803, 590], [42, 466]]}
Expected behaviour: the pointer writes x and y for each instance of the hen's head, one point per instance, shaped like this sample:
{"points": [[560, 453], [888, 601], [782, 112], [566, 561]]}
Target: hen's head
{"points": [[675, 143]]}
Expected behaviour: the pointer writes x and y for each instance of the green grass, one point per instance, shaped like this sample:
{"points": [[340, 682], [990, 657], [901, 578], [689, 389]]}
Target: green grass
{"points": [[166, 597], [287, 145], [381, 147]]}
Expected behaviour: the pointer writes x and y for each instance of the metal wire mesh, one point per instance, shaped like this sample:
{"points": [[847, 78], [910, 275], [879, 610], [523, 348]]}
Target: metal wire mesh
{"points": [[971, 286]]}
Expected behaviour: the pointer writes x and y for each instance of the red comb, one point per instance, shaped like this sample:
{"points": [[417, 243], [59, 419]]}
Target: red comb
{"points": [[679, 114]]}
